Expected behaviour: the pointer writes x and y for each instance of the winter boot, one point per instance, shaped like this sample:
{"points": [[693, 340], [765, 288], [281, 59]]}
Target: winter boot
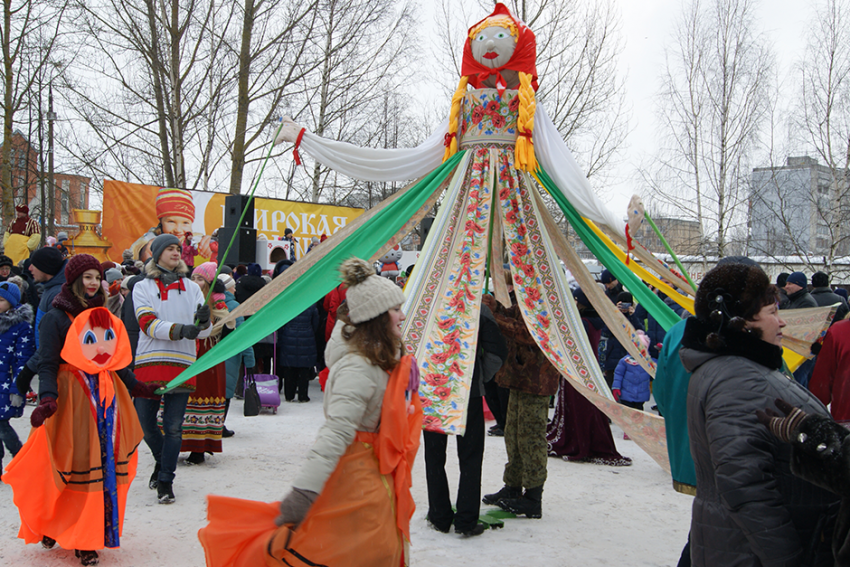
{"points": [[225, 432], [195, 458], [505, 492], [154, 477], [47, 542], [475, 530], [164, 493], [529, 505], [87, 557]]}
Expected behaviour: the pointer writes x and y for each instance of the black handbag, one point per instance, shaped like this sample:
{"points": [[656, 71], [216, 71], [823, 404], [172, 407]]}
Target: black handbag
{"points": [[251, 405]]}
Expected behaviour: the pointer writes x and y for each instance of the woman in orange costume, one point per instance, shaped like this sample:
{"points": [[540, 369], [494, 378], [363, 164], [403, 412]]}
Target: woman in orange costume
{"points": [[351, 503], [70, 479]]}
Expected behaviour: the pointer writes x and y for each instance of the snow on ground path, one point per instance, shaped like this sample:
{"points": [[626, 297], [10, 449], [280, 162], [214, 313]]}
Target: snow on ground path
{"points": [[592, 515]]}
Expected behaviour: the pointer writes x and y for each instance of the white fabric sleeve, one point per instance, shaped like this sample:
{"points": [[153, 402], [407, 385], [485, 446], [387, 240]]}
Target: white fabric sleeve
{"points": [[557, 160], [370, 164]]}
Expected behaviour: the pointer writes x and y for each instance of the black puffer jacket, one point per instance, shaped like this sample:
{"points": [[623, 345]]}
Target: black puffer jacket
{"points": [[296, 341], [750, 510]]}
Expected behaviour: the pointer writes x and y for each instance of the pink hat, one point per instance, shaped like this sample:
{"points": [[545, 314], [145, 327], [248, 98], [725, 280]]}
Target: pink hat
{"points": [[207, 271]]}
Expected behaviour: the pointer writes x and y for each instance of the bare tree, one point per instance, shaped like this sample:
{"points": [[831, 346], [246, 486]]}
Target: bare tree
{"points": [[363, 54], [158, 77], [30, 39], [714, 99], [272, 58], [806, 201]]}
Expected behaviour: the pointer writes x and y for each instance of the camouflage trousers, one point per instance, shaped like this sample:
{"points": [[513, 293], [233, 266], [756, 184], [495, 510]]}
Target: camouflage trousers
{"points": [[525, 440]]}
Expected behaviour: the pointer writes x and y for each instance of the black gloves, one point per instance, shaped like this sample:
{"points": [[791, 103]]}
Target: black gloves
{"points": [[22, 382], [202, 316]]}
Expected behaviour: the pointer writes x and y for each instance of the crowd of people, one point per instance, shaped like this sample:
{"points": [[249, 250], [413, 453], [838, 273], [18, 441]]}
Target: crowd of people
{"points": [[108, 336]]}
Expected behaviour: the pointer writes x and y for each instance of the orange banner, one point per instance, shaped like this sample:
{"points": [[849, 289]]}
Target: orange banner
{"points": [[133, 215]]}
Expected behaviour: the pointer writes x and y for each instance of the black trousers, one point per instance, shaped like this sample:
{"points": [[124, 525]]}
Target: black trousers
{"points": [[497, 401], [295, 379], [470, 453]]}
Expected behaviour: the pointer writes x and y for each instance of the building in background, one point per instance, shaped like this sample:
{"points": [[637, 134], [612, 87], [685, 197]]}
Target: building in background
{"points": [[70, 192], [799, 209]]}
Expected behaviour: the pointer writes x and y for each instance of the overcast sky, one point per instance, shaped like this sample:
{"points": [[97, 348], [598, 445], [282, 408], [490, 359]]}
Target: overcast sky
{"points": [[647, 27]]}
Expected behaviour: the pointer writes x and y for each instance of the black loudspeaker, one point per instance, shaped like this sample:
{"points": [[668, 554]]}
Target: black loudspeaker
{"points": [[233, 206], [424, 229], [244, 249]]}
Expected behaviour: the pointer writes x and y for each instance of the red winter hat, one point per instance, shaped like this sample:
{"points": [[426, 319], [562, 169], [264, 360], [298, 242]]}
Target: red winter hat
{"points": [[523, 60], [175, 202], [79, 264]]}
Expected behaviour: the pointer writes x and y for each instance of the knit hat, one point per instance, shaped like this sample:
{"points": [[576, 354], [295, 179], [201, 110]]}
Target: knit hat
{"points": [[79, 264], [22, 209], [368, 295], [174, 202], [113, 274], [797, 278], [126, 255], [606, 277], [62, 236], [11, 293], [229, 283], [160, 243], [255, 270], [48, 260], [207, 271], [841, 291], [107, 265], [781, 279], [5, 261], [819, 279]]}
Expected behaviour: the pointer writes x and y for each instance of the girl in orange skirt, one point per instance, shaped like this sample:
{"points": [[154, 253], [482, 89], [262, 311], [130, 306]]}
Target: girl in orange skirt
{"points": [[71, 477], [351, 502]]}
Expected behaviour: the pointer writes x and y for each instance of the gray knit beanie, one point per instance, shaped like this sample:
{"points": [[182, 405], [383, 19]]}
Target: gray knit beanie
{"points": [[368, 295], [160, 243]]}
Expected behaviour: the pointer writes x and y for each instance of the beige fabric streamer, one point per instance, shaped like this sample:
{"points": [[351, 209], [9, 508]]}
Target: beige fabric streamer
{"points": [[617, 323]]}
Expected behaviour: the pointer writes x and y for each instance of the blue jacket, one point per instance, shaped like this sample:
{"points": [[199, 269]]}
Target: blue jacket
{"points": [[231, 365], [17, 343], [632, 380], [296, 341], [49, 290]]}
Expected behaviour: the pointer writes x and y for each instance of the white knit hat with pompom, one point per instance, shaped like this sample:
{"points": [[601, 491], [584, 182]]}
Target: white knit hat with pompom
{"points": [[368, 295]]}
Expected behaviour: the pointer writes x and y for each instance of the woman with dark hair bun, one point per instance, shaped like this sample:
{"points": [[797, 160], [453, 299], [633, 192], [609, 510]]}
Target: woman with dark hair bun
{"points": [[749, 509]]}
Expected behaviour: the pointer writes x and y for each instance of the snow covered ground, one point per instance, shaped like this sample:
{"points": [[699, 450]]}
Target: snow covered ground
{"points": [[592, 515]]}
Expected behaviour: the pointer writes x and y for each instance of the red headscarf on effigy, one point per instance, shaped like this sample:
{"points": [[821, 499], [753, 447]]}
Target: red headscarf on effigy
{"points": [[523, 60]]}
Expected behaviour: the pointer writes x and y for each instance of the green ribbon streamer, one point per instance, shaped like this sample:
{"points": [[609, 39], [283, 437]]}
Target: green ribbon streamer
{"points": [[665, 316], [669, 250], [319, 280]]}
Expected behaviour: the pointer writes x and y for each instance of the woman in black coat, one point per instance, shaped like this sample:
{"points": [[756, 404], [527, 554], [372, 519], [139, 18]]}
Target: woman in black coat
{"points": [[297, 353], [749, 510]]}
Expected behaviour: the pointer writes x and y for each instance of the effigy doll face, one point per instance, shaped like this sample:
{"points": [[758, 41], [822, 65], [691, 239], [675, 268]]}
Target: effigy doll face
{"points": [[98, 344], [493, 46]]}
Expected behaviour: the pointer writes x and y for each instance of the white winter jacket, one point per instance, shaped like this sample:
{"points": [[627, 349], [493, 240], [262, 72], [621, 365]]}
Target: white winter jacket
{"points": [[354, 394]]}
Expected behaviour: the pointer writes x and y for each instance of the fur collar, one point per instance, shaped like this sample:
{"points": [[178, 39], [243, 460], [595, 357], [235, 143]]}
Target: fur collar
{"points": [[157, 272], [738, 343], [21, 314]]}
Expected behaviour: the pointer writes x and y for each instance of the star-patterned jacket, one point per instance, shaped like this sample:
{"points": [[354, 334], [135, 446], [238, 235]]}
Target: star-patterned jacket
{"points": [[17, 344]]}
